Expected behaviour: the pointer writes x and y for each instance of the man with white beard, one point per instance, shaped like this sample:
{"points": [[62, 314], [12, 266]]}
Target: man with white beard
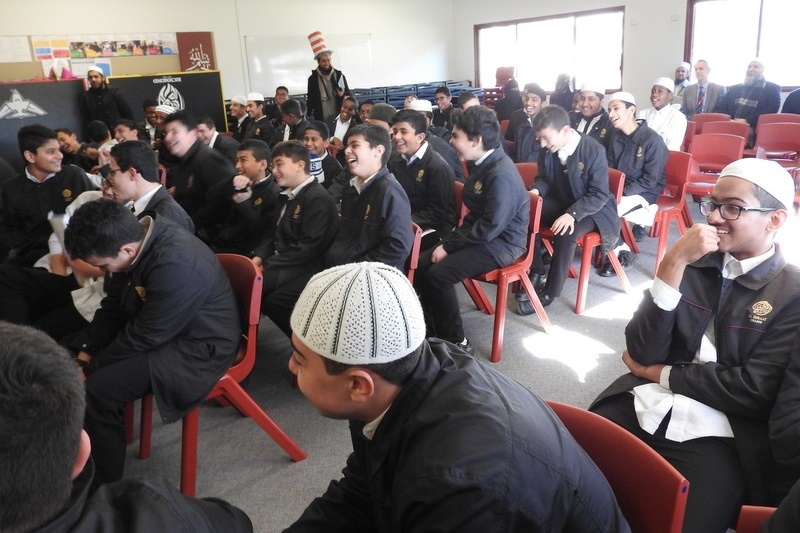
{"points": [[749, 100]]}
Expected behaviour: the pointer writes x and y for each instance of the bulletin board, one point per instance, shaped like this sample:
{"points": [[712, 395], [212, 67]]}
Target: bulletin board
{"points": [[274, 60]]}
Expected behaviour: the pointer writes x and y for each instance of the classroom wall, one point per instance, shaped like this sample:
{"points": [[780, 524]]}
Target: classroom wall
{"points": [[653, 43], [410, 39]]}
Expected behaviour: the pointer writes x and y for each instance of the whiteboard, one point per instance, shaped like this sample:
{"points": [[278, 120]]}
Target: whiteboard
{"points": [[274, 60]]}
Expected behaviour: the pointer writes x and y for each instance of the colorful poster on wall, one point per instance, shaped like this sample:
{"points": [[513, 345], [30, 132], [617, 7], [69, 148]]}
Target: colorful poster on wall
{"points": [[196, 51], [50, 47]]}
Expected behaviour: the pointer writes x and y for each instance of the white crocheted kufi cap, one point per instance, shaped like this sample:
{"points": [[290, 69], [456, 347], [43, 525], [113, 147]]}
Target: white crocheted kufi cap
{"points": [[769, 175], [359, 314]]}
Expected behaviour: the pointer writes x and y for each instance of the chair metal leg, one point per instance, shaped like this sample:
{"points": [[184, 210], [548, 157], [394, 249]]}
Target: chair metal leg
{"points": [[127, 417]]}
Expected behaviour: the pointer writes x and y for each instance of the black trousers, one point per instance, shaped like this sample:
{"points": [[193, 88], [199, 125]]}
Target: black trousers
{"points": [[710, 464], [282, 288], [108, 390], [435, 284], [27, 294], [563, 247]]}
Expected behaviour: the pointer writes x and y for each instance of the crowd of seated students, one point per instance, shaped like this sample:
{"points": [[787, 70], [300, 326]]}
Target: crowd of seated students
{"points": [[274, 193]]}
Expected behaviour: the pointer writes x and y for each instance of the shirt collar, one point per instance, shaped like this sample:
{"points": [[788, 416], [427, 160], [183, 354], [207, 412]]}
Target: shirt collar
{"points": [[292, 194], [370, 428], [483, 157], [732, 267], [359, 185], [33, 178], [419, 153], [569, 148], [140, 204]]}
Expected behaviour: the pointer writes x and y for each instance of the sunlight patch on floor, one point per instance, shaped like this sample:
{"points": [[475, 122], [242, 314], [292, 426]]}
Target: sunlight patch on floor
{"points": [[575, 350], [621, 306]]}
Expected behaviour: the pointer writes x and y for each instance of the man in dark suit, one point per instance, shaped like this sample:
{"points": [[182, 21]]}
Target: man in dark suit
{"points": [[711, 93], [208, 134], [749, 100]]}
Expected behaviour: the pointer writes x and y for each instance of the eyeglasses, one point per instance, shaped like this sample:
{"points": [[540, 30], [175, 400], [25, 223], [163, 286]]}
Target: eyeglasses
{"points": [[108, 178], [729, 211]]}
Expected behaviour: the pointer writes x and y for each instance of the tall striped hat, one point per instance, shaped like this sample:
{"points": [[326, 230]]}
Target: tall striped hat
{"points": [[318, 46]]}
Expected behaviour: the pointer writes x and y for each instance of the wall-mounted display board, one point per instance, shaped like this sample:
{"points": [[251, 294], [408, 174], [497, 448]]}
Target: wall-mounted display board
{"points": [[200, 92], [53, 104]]}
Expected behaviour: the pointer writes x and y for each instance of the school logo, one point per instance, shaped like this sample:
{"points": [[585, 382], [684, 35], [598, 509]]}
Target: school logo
{"points": [[19, 107], [190, 181], [296, 213], [67, 195], [141, 292], [639, 151], [762, 308], [258, 201], [581, 166], [169, 95], [603, 133], [366, 211], [420, 174], [478, 188]]}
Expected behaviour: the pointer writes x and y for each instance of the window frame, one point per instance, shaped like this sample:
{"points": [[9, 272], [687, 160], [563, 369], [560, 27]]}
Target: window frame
{"points": [[689, 34], [574, 14]]}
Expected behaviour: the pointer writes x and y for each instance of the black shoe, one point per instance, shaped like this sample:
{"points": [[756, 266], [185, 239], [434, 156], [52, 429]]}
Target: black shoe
{"points": [[546, 299], [626, 259], [524, 305], [639, 233], [465, 345], [537, 280]]}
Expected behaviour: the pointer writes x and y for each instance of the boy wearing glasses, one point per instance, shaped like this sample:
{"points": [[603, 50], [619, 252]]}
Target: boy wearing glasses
{"points": [[709, 346]]}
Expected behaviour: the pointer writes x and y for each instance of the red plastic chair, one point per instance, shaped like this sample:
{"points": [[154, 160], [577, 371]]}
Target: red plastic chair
{"points": [[504, 126], [740, 129], [689, 135], [616, 182], [700, 120], [246, 280], [752, 518], [714, 151], [458, 204], [650, 492], [162, 174], [503, 277], [772, 118], [413, 258], [528, 172], [672, 202], [780, 142]]}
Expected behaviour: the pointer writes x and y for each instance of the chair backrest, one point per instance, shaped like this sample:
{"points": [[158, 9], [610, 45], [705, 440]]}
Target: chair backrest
{"points": [[731, 127], [752, 518], [650, 492], [504, 125], [413, 257], [779, 136], [528, 172], [704, 118], [162, 174], [717, 148], [677, 171], [616, 183], [458, 203], [771, 118], [691, 128], [246, 280]]}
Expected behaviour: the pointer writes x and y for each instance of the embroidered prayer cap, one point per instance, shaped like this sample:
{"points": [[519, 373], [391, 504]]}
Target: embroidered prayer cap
{"points": [[318, 46], [359, 314], [383, 112], [684, 65], [422, 105], [665, 82], [622, 96], [166, 109], [239, 99], [256, 97], [594, 87], [95, 68], [769, 175]]}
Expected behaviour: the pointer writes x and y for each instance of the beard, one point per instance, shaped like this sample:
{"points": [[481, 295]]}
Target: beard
{"points": [[325, 71], [751, 80]]}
